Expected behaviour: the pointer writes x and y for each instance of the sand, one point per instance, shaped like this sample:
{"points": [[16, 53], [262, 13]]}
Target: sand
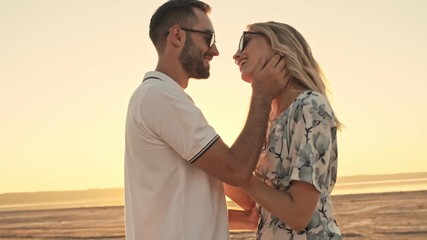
{"points": [[398, 215]]}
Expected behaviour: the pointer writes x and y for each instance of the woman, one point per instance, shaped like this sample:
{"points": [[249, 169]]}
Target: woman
{"points": [[297, 169]]}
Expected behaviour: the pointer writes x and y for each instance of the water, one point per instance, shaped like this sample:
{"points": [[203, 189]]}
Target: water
{"points": [[393, 185], [343, 187], [95, 202]]}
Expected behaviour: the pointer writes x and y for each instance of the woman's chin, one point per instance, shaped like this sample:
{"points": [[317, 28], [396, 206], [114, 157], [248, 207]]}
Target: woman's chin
{"points": [[246, 78]]}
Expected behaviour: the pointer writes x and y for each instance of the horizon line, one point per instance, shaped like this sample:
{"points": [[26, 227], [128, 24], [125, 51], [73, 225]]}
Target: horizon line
{"points": [[340, 178]]}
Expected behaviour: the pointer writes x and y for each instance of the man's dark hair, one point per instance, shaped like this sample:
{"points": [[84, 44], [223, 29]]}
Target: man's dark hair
{"points": [[179, 12]]}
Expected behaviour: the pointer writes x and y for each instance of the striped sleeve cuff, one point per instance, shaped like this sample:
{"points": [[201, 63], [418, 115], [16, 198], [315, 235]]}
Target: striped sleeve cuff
{"points": [[211, 142]]}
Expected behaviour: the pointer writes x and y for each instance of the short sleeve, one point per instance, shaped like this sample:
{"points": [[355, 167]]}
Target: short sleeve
{"points": [[313, 142], [172, 116]]}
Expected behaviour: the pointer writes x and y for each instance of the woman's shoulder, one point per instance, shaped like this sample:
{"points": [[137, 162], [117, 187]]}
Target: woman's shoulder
{"points": [[312, 104], [310, 97]]}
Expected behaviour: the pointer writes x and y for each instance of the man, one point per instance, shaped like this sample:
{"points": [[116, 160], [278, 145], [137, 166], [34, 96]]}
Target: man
{"points": [[175, 161]]}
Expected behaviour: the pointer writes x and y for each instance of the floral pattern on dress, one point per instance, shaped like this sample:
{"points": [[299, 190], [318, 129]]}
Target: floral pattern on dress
{"points": [[301, 146]]}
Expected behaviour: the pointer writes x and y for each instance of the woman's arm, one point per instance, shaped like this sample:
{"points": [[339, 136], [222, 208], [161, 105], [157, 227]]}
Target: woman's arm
{"points": [[239, 196], [238, 219], [295, 208], [243, 220]]}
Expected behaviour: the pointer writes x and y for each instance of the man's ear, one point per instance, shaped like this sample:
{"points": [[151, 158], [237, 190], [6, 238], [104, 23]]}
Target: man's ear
{"points": [[177, 36]]}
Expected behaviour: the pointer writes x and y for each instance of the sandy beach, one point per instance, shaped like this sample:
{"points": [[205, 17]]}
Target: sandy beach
{"points": [[396, 215]]}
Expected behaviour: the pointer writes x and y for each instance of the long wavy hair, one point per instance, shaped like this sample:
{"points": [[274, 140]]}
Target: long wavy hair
{"points": [[300, 62]]}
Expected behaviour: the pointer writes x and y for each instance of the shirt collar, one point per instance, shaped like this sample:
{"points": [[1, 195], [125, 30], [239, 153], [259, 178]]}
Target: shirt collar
{"points": [[160, 77]]}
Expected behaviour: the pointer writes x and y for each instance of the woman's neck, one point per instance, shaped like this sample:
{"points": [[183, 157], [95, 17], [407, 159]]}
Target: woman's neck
{"points": [[284, 100]]}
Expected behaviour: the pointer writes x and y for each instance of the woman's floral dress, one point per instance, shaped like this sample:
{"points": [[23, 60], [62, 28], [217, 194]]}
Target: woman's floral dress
{"points": [[302, 146]]}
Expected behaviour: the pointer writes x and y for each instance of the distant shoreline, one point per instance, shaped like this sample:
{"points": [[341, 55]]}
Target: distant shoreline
{"points": [[380, 177], [94, 204], [362, 184]]}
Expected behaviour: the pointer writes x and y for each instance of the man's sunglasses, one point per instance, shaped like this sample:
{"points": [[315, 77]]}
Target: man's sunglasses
{"points": [[210, 39], [244, 41]]}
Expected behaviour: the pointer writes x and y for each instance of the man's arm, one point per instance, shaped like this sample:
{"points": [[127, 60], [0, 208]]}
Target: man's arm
{"points": [[235, 165]]}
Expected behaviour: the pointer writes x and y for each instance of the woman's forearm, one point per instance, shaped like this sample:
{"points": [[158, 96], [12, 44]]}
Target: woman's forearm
{"points": [[294, 208], [239, 196], [243, 220]]}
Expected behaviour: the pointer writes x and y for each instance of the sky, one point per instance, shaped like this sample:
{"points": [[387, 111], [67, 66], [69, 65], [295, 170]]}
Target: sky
{"points": [[68, 68]]}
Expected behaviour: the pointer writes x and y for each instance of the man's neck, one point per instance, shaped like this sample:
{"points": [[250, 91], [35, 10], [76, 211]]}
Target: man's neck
{"points": [[174, 72]]}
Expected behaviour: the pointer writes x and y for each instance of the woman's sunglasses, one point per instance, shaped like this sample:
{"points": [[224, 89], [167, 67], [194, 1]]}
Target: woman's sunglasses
{"points": [[244, 40]]}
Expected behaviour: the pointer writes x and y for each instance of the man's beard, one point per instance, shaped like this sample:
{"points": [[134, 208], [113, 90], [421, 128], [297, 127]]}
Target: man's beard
{"points": [[191, 60]]}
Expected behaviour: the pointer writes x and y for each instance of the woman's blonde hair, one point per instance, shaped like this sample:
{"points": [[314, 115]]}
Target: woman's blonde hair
{"points": [[300, 62]]}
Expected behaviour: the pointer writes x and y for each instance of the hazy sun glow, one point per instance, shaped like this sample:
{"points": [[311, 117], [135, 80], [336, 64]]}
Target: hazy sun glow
{"points": [[68, 68]]}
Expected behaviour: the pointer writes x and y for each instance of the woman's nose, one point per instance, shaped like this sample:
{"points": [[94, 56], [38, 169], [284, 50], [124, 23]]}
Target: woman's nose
{"points": [[237, 55]]}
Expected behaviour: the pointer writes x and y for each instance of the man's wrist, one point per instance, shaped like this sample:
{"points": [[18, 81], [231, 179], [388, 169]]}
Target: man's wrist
{"points": [[262, 99], [246, 185]]}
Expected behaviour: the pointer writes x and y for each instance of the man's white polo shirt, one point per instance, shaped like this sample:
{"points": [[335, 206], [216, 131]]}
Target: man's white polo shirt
{"points": [[166, 198]]}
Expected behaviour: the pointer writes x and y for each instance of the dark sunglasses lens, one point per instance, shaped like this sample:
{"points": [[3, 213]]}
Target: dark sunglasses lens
{"points": [[212, 42], [241, 42]]}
